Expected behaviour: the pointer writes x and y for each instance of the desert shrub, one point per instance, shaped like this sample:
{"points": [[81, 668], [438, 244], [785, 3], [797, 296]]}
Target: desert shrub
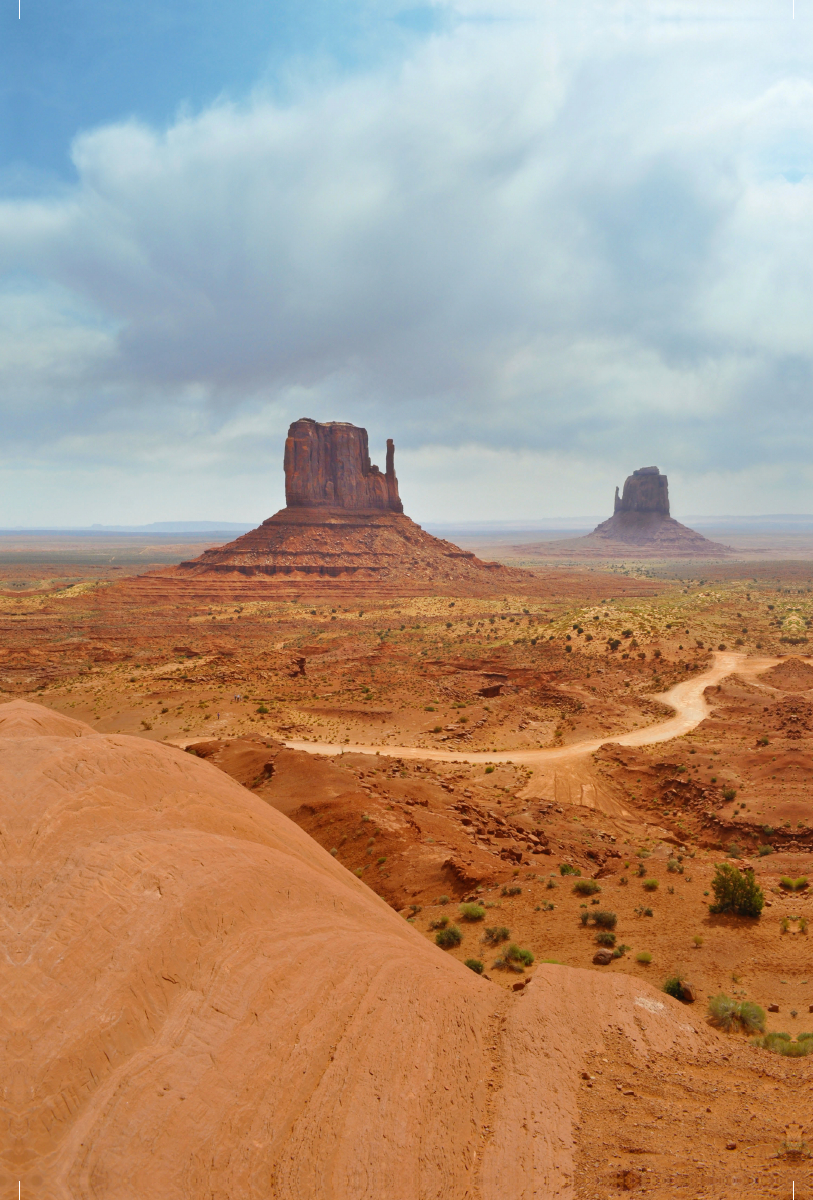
{"points": [[673, 986], [441, 923], [496, 934], [515, 954], [650, 885], [475, 965], [620, 951], [449, 937], [763, 850], [793, 885], [729, 793], [551, 884], [513, 890], [643, 957], [584, 917], [489, 770], [734, 850], [472, 912], [673, 866], [736, 892], [768, 830], [727, 1014], [568, 869], [781, 1043], [604, 919], [586, 887], [697, 941], [605, 938], [443, 899], [641, 870]]}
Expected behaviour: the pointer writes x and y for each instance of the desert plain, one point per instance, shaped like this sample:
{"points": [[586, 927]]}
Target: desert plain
{"points": [[415, 764]]}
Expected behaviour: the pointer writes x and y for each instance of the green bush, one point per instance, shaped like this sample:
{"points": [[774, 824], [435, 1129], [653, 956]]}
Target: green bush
{"points": [[449, 937], [643, 957], [472, 912], [475, 965], [673, 866], [729, 793], [496, 934], [727, 1014], [604, 919], [793, 885], [514, 954], [673, 986], [514, 890], [586, 887], [781, 1043], [489, 770], [620, 951], [650, 885], [763, 850], [736, 891], [443, 899], [605, 938], [567, 869], [441, 923]]}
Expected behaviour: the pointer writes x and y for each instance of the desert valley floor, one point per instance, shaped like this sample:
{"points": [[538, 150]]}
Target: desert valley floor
{"points": [[359, 775]]}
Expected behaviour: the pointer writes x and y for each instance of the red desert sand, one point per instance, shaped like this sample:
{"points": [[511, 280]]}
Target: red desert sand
{"points": [[199, 1001]]}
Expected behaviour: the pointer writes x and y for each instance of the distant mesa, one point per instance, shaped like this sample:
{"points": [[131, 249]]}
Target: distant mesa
{"points": [[344, 524], [640, 525]]}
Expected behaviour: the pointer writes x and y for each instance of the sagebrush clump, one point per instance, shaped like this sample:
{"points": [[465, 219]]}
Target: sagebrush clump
{"points": [[728, 1014], [448, 938], [496, 934], [586, 887], [736, 891], [472, 912]]}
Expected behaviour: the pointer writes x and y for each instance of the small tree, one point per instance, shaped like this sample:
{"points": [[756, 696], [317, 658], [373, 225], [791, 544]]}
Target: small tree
{"points": [[736, 892]]}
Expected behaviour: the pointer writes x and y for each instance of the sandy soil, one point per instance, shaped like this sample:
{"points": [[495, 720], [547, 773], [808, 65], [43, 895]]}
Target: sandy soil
{"points": [[639, 717]]}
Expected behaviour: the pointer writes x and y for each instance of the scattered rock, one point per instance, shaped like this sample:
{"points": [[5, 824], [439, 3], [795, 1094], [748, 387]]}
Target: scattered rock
{"points": [[775, 1008], [603, 957]]}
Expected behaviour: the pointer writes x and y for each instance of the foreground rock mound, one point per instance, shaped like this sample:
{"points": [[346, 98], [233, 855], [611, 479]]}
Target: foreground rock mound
{"points": [[640, 525], [199, 1001], [343, 525]]}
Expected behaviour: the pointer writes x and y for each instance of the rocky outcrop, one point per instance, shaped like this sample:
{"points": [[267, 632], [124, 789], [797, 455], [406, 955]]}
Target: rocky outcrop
{"points": [[328, 466], [640, 526], [344, 527], [645, 490]]}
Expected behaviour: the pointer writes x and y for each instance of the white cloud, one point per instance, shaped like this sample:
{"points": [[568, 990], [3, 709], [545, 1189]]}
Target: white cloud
{"points": [[575, 233]]}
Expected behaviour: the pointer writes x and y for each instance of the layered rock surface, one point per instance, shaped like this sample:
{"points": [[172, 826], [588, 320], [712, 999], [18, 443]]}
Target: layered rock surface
{"points": [[344, 526], [198, 1000]]}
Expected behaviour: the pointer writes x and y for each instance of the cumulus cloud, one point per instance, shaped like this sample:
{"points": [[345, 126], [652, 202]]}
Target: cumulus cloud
{"points": [[569, 240]]}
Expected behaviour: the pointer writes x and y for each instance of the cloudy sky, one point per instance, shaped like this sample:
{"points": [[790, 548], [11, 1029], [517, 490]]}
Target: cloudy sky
{"points": [[538, 242]]}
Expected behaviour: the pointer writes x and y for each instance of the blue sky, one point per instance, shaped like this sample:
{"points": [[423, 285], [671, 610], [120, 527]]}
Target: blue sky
{"points": [[539, 244]]}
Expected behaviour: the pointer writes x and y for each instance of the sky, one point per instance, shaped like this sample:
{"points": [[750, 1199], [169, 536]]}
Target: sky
{"points": [[539, 244]]}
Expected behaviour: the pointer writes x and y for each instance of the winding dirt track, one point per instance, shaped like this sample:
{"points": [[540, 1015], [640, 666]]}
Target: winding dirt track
{"points": [[687, 699]]}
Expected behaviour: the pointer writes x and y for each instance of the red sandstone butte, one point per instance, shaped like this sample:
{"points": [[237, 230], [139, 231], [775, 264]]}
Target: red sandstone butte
{"points": [[639, 527], [344, 526]]}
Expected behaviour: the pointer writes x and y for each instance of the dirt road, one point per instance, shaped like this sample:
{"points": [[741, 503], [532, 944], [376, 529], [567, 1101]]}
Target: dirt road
{"points": [[687, 699]]}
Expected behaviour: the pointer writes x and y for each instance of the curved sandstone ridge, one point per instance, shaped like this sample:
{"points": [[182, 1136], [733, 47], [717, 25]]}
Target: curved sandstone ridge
{"points": [[197, 1000]]}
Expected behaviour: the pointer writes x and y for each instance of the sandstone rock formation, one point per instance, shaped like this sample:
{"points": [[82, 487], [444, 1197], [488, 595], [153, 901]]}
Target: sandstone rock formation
{"points": [[344, 527], [639, 527], [198, 1000], [328, 466]]}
